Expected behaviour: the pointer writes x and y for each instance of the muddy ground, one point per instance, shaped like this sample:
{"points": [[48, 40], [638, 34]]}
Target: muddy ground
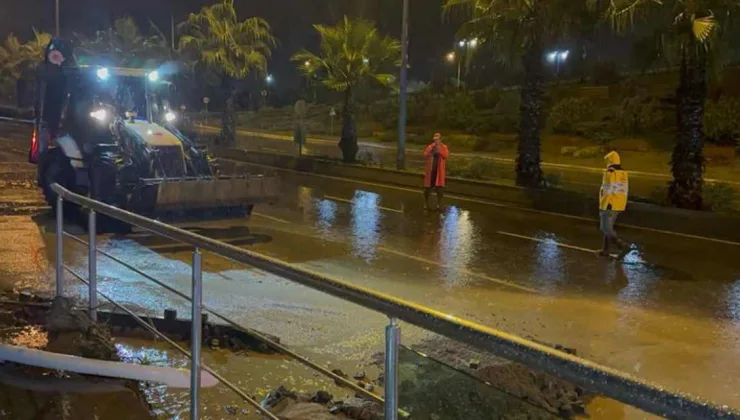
{"points": [[35, 393]]}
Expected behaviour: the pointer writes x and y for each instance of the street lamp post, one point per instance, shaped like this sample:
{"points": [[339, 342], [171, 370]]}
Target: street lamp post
{"points": [[451, 57], [401, 156], [56, 17]]}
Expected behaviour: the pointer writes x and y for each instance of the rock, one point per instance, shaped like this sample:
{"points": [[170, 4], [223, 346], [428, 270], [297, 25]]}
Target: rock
{"points": [[568, 150], [360, 409], [369, 387], [339, 373], [214, 343], [381, 379], [230, 409], [359, 376], [589, 152], [64, 318], [305, 411], [474, 363], [322, 397]]}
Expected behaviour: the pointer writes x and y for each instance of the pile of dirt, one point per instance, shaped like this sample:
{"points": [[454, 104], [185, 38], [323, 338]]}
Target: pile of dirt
{"points": [[291, 405], [540, 390], [36, 393]]}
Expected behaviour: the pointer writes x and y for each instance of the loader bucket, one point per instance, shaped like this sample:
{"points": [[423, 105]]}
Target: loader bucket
{"points": [[195, 197]]}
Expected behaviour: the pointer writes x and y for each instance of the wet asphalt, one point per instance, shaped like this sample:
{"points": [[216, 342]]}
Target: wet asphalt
{"points": [[669, 314]]}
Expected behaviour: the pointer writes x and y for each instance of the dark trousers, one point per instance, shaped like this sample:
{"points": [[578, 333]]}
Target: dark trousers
{"points": [[428, 192]]}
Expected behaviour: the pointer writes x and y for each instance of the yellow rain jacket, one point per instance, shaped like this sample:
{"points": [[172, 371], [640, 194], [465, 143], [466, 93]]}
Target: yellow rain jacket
{"points": [[614, 186]]}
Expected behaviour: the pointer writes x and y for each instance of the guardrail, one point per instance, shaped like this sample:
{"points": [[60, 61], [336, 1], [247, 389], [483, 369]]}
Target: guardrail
{"points": [[589, 375]]}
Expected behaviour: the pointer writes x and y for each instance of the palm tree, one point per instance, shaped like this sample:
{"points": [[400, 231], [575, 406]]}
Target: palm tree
{"points": [[124, 44], [520, 33], [352, 53], [18, 60], [17, 57], [217, 39], [689, 30]]}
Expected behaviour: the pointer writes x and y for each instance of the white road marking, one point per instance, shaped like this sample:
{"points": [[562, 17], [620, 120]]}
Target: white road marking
{"points": [[492, 203], [549, 241], [463, 270], [275, 219], [344, 200]]}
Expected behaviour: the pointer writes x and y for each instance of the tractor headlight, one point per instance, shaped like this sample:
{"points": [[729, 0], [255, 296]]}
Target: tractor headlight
{"points": [[170, 116], [100, 115], [103, 73], [154, 76]]}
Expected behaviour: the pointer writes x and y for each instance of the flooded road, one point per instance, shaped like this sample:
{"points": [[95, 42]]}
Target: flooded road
{"points": [[669, 314]]}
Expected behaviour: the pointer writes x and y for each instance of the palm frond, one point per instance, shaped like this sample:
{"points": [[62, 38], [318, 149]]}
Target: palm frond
{"points": [[704, 27]]}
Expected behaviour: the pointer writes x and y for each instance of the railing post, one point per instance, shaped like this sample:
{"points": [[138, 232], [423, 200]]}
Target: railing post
{"points": [[60, 245], [92, 259], [195, 335], [392, 342]]}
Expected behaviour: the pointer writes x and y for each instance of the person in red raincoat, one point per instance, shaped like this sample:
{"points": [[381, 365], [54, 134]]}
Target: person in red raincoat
{"points": [[436, 169]]}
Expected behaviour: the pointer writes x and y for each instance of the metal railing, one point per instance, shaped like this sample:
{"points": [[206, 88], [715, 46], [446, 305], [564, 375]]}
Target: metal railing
{"points": [[589, 375]]}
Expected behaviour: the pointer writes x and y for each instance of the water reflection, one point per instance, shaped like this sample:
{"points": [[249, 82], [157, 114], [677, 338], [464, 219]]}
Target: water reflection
{"points": [[456, 246], [304, 198], [733, 301], [549, 270], [640, 279], [366, 218], [326, 213]]}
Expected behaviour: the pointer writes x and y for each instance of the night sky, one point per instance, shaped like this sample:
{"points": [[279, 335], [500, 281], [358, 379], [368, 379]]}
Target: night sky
{"points": [[431, 36]]}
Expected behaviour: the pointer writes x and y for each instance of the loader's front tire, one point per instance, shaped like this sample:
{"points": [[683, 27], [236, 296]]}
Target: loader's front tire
{"points": [[104, 188]]}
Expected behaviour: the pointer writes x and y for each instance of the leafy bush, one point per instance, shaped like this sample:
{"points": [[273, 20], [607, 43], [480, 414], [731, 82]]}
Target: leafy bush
{"points": [[601, 131], [639, 115], [460, 141], [722, 122], [605, 73], [719, 196], [508, 104], [487, 98], [568, 113], [457, 111], [475, 168], [486, 145]]}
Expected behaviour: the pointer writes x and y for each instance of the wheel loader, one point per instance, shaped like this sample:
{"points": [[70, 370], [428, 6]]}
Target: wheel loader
{"points": [[106, 133]]}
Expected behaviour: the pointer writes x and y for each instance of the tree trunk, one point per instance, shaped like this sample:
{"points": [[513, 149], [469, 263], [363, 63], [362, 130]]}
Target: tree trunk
{"points": [[687, 162], [348, 142], [228, 117], [528, 171]]}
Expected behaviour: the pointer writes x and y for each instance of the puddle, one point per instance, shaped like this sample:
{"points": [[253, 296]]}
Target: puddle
{"points": [[255, 374]]}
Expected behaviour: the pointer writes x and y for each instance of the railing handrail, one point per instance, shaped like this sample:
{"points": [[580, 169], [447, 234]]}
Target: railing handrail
{"points": [[592, 376]]}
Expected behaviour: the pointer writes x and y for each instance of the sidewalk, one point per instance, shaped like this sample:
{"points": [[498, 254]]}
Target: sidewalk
{"points": [[636, 160]]}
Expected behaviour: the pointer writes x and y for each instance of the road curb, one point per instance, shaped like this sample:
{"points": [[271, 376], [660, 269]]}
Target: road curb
{"points": [[723, 227]]}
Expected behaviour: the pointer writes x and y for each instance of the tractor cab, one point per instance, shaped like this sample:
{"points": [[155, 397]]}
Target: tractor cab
{"points": [[109, 132]]}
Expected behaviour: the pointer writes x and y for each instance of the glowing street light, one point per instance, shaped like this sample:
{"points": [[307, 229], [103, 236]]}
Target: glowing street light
{"points": [[467, 45], [269, 79], [558, 58]]}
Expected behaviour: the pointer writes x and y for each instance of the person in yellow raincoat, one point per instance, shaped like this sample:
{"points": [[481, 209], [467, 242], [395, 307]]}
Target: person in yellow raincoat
{"points": [[612, 202]]}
